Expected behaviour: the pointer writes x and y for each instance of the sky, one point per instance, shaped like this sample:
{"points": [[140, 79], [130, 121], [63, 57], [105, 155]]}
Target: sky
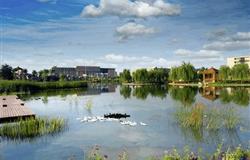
{"points": [[38, 34]]}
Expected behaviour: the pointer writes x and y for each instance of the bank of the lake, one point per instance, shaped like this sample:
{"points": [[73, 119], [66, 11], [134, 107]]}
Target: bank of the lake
{"points": [[22, 86], [217, 84]]}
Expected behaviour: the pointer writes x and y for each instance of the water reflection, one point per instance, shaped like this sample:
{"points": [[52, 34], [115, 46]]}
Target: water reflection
{"points": [[237, 95], [142, 92], [185, 95], [95, 89]]}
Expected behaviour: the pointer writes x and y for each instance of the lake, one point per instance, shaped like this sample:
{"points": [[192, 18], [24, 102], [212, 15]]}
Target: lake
{"points": [[155, 106]]}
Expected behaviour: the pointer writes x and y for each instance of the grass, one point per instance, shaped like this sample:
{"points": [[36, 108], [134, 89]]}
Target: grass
{"points": [[201, 117], [25, 86], [237, 153], [31, 128]]}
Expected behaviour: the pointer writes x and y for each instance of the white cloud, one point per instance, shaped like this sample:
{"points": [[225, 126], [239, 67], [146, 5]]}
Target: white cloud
{"points": [[200, 55], [227, 46], [134, 62], [238, 41], [131, 30], [128, 8]]}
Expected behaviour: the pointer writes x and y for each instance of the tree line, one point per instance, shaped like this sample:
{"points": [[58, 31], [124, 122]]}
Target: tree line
{"points": [[18, 73], [239, 72], [155, 75]]}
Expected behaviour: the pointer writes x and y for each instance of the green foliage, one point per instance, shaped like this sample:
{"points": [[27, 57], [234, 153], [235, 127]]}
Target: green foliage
{"points": [[6, 72], [26, 86], [200, 118], [44, 74], [32, 128], [141, 76], [240, 72], [125, 76], [184, 73], [224, 73]]}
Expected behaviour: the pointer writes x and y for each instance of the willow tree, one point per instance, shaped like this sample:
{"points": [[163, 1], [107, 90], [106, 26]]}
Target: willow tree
{"points": [[125, 76], [224, 73], [240, 72], [187, 72]]}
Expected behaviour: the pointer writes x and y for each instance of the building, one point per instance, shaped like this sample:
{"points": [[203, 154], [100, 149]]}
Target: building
{"points": [[210, 75], [84, 71], [67, 71], [231, 61]]}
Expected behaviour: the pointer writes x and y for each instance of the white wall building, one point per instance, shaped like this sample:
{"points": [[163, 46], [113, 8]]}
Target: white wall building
{"points": [[231, 61]]}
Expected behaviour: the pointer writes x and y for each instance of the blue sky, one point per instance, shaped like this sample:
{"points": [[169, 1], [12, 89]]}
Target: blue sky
{"points": [[38, 34]]}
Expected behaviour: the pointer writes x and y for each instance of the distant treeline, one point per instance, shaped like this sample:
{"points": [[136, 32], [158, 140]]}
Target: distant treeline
{"points": [[156, 75], [186, 73]]}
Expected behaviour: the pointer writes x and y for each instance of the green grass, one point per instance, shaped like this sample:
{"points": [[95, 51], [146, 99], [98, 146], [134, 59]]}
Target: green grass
{"points": [[26, 86], [200, 117], [31, 128], [237, 153]]}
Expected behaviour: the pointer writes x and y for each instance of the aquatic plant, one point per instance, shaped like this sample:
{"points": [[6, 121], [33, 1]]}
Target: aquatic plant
{"points": [[29, 86], [201, 117], [237, 153], [31, 128]]}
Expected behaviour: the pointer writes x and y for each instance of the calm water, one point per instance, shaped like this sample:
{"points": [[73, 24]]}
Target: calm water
{"points": [[152, 105]]}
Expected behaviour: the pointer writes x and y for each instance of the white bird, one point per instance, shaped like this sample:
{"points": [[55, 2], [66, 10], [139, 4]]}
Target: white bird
{"points": [[143, 124]]}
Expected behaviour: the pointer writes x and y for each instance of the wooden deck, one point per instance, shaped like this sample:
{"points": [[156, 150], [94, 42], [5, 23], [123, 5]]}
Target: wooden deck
{"points": [[11, 107]]}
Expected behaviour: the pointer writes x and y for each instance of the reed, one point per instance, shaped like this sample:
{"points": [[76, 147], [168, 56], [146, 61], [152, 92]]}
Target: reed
{"points": [[29, 86], [201, 117], [32, 128]]}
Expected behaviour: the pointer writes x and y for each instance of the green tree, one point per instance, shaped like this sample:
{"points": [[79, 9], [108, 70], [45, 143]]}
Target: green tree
{"points": [[44, 74], [34, 73], [187, 72], [224, 73], [62, 77], [125, 76], [6, 72], [240, 72], [141, 76], [173, 75]]}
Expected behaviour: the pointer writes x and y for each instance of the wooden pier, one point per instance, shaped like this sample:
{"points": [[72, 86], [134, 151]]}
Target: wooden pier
{"points": [[11, 107]]}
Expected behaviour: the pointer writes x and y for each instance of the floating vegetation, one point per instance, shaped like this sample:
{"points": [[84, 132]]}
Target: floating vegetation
{"points": [[32, 128]]}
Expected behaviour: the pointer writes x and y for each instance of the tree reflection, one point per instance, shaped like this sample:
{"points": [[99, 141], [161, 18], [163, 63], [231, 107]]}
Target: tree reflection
{"points": [[239, 96], [125, 91], [185, 95], [142, 92]]}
